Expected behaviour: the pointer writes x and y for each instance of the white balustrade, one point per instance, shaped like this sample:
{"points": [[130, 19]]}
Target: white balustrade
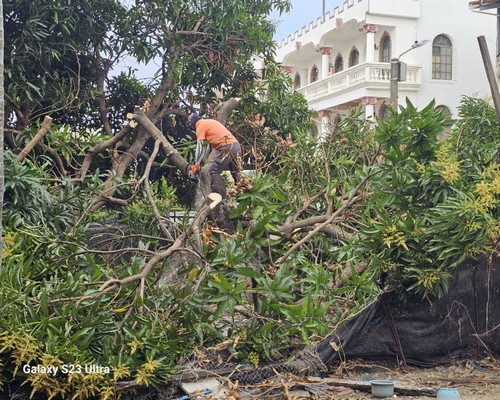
{"points": [[365, 74]]}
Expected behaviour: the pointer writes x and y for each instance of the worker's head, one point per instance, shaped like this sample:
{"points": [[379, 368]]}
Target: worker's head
{"points": [[193, 118]]}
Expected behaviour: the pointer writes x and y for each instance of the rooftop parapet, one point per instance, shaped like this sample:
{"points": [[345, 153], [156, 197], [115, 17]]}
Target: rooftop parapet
{"points": [[337, 13]]}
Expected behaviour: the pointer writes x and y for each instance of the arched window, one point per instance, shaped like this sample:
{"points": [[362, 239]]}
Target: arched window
{"points": [[385, 48], [314, 73], [339, 63], [445, 112], [442, 61], [382, 110], [296, 81], [354, 57]]}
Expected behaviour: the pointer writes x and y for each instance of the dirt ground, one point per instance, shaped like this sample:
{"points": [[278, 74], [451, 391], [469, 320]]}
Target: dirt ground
{"points": [[474, 380]]}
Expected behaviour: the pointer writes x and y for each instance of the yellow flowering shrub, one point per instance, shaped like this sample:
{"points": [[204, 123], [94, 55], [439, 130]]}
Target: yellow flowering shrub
{"points": [[448, 164]]}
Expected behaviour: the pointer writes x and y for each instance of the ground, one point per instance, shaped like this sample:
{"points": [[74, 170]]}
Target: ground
{"points": [[474, 380]]}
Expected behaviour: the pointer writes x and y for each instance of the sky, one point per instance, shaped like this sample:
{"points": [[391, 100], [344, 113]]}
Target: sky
{"points": [[303, 12]]}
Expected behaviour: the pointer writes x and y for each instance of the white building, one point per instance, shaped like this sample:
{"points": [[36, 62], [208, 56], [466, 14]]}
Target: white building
{"points": [[342, 60]]}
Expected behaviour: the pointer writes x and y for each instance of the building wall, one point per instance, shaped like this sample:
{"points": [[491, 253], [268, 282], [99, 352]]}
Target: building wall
{"points": [[463, 27], [405, 21]]}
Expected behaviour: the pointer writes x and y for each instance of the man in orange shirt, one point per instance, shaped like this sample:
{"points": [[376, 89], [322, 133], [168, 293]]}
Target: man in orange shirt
{"points": [[227, 147]]}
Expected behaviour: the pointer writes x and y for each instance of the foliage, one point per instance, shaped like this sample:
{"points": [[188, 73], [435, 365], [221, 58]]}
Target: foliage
{"points": [[202, 47], [271, 117], [52, 51], [123, 92], [53, 263], [428, 211], [422, 212], [215, 39], [290, 300], [329, 167], [477, 133], [317, 232]]}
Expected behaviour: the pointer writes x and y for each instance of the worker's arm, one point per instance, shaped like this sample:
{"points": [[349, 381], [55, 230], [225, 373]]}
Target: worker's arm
{"points": [[194, 169], [201, 152]]}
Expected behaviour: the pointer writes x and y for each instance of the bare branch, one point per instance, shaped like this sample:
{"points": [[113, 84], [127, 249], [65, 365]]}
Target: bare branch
{"points": [[147, 187], [347, 204], [176, 246], [101, 147], [58, 160], [44, 129]]}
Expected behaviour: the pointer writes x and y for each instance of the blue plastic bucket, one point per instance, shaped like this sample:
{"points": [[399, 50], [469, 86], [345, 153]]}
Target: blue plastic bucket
{"points": [[448, 394], [382, 388]]}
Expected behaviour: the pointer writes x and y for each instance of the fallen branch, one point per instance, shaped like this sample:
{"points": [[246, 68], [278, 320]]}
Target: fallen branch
{"points": [[44, 129], [399, 388], [177, 245], [465, 381], [147, 187], [352, 198], [307, 203]]}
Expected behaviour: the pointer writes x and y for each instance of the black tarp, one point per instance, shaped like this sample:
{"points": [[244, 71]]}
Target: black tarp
{"points": [[465, 323]]}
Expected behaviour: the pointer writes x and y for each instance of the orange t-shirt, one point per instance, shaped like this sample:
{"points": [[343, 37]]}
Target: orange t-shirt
{"points": [[214, 133]]}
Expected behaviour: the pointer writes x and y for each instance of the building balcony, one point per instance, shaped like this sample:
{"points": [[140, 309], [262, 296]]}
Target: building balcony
{"points": [[366, 79]]}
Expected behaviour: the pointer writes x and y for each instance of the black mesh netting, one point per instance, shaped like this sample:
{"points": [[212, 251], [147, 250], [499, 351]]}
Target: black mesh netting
{"points": [[463, 324]]}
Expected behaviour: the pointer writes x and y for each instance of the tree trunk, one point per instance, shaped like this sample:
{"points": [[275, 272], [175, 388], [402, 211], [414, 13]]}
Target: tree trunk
{"points": [[121, 163]]}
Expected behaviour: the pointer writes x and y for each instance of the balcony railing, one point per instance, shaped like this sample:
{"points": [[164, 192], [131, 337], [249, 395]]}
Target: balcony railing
{"points": [[368, 75]]}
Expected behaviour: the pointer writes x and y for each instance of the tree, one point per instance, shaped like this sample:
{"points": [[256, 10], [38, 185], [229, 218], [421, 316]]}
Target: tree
{"points": [[133, 288], [2, 121], [58, 54], [136, 280], [203, 46]]}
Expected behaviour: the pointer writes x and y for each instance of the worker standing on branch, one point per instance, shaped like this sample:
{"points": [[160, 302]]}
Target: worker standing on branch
{"points": [[226, 145]]}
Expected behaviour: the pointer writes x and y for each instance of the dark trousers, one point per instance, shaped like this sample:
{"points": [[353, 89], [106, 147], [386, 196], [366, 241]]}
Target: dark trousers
{"points": [[228, 158]]}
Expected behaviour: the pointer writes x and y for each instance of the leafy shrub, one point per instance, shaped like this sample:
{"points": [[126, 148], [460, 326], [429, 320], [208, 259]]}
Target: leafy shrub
{"points": [[429, 210]]}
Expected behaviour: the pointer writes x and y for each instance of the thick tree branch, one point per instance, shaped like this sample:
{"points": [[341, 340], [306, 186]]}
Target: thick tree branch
{"points": [[147, 187], [44, 129], [226, 109], [102, 72], [307, 203], [291, 225], [169, 150], [82, 172]]}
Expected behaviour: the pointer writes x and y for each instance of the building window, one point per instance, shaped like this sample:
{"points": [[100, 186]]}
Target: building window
{"points": [[354, 57], [385, 48], [296, 81], [314, 73], [382, 110], [442, 58], [445, 112], [339, 63]]}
